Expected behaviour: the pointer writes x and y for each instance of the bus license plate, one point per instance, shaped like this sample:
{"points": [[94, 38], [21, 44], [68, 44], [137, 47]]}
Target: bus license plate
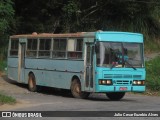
{"points": [[123, 88]]}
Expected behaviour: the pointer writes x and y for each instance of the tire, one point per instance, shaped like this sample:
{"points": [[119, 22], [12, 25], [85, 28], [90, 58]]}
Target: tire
{"points": [[32, 83], [115, 95], [76, 90]]}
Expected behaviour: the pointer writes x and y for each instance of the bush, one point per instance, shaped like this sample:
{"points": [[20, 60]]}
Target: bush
{"points": [[153, 74], [3, 65]]}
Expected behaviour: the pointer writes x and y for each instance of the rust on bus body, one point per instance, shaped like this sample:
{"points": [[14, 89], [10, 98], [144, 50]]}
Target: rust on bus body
{"points": [[42, 35]]}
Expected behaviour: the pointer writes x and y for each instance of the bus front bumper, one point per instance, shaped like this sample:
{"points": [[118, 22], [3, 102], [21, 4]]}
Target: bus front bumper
{"points": [[103, 88]]}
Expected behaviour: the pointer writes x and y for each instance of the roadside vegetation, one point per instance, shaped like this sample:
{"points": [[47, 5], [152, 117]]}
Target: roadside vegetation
{"points": [[153, 76], [3, 65], [6, 99], [151, 46]]}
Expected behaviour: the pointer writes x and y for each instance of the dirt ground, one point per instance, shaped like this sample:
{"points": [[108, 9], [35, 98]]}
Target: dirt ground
{"points": [[9, 87]]}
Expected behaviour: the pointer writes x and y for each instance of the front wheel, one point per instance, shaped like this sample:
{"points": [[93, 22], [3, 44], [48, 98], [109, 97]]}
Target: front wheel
{"points": [[76, 90], [115, 95]]}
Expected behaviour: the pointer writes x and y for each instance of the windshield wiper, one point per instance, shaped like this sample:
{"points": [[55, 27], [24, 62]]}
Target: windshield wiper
{"points": [[130, 65], [113, 65]]}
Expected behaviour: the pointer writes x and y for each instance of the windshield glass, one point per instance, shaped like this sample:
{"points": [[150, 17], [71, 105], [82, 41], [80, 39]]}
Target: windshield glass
{"points": [[116, 54]]}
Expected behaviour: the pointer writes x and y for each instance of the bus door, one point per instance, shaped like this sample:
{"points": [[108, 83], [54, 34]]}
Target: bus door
{"points": [[21, 59], [89, 67]]}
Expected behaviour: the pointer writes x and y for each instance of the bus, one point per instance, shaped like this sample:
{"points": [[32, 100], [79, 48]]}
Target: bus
{"points": [[85, 62]]}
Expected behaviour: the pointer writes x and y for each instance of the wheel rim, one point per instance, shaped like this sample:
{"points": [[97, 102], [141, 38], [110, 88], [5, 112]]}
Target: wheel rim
{"points": [[31, 84], [77, 89]]}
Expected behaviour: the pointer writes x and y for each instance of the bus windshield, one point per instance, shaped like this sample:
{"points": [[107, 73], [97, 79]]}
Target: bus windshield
{"points": [[119, 54]]}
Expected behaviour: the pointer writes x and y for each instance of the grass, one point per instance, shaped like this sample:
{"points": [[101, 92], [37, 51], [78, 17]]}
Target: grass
{"points": [[6, 99], [153, 74]]}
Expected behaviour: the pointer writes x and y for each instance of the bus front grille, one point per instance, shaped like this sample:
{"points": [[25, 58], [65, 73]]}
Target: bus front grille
{"points": [[122, 82], [121, 76]]}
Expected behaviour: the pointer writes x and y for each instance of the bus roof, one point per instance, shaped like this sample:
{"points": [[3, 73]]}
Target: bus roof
{"points": [[119, 36], [98, 35]]}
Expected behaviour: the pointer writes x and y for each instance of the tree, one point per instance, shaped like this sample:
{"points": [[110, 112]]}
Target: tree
{"points": [[6, 21], [38, 15], [123, 15], [6, 13], [88, 15]]}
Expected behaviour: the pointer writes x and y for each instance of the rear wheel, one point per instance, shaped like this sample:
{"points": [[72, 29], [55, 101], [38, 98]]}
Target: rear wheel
{"points": [[115, 95], [76, 90], [32, 83]]}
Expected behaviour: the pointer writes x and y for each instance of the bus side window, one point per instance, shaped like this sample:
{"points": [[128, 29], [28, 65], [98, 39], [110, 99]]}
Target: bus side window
{"points": [[59, 48], [14, 47], [31, 48], [44, 48], [75, 48]]}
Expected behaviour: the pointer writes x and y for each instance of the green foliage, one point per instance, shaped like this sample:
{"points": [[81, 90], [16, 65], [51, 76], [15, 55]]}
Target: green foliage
{"points": [[153, 76], [6, 24], [3, 65], [6, 99], [6, 13], [71, 16], [88, 15], [151, 46]]}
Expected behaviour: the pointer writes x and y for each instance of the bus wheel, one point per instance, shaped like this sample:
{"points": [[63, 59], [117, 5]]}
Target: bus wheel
{"points": [[115, 95], [76, 90], [32, 83]]}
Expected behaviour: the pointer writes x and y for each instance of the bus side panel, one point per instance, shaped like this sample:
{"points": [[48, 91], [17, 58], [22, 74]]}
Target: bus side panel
{"points": [[45, 64], [12, 73], [13, 68], [54, 73]]}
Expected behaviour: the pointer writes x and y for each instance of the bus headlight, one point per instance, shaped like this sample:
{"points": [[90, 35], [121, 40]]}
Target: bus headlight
{"points": [[105, 82], [138, 82]]}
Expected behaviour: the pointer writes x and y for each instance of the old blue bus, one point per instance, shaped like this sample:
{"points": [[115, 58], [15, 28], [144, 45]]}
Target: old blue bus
{"points": [[85, 62]]}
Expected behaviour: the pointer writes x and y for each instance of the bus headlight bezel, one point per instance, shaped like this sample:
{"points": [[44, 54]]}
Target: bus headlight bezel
{"points": [[138, 82], [105, 82]]}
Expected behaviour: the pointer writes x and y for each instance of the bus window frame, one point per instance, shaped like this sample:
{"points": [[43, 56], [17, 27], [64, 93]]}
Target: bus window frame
{"points": [[36, 51], [53, 50], [32, 50], [75, 53], [10, 47], [44, 50]]}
